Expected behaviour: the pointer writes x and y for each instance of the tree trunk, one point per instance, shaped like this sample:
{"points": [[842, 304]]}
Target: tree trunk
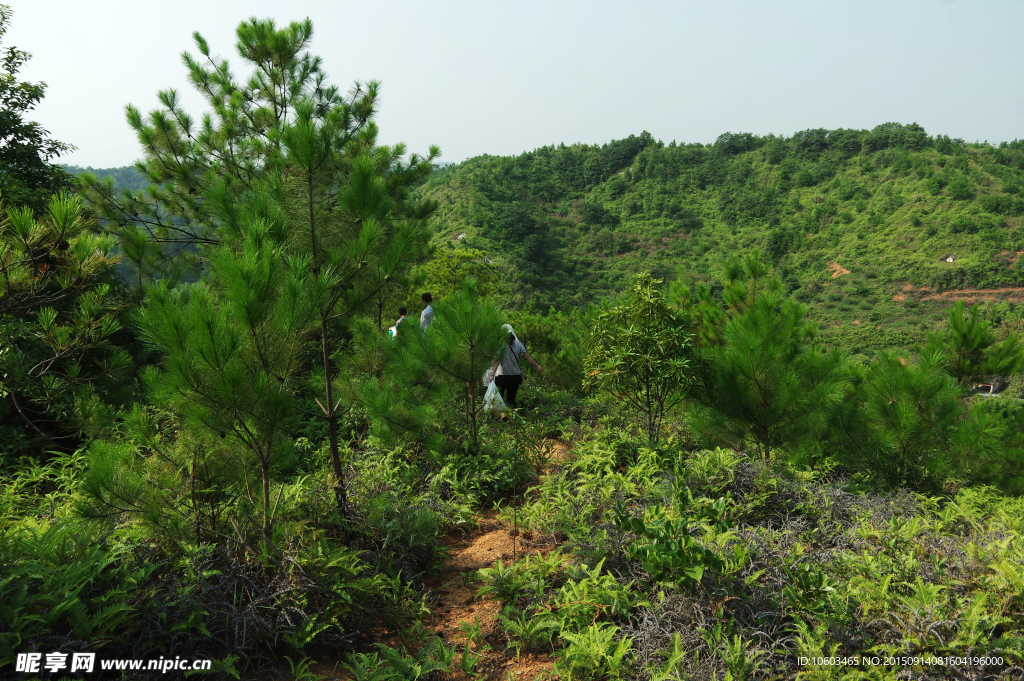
{"points": [[651, 435], [331, 415], [330, 412], [195, 502], [265, 470], [471, 413]]}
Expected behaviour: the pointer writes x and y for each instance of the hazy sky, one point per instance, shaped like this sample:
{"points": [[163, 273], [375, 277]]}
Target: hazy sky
{"points": [[502, 78]]}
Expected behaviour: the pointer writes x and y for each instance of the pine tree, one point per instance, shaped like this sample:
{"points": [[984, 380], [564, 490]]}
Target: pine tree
{"points": [[743, 281], [763, 376], [184, 484], [770, 381], [905, 423], [450, 356], [231, 348], [345, 212], [58, 314], [288, 145], [233, 149], [970, 348]]}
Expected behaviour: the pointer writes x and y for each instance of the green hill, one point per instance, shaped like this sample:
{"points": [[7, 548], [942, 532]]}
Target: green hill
{"points": [[125, 177], [860, 224]]}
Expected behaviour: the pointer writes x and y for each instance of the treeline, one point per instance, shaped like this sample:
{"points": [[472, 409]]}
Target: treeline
{"points": [[570, 223], [124, 177]]}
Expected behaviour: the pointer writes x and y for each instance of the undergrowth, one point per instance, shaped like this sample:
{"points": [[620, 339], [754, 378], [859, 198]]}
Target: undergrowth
{"points": [[699, 565]]}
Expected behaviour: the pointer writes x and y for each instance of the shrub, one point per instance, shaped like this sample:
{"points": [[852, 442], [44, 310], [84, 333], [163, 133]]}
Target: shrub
{"points": [[903, 422], [963, 224], [640, 352], [960, 188]]}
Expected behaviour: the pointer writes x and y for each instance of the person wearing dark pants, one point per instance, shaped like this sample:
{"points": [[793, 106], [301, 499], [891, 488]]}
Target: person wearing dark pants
{"points": [[507, 372], [508, 388]]}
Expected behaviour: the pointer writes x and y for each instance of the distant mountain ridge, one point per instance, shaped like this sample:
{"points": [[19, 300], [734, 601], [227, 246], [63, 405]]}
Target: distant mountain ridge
{"points": [[125, 177]]}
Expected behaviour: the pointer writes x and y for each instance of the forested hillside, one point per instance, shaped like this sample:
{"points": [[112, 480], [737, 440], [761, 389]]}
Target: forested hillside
{"points": [[216, 457], [860, 224], [125, 177]]}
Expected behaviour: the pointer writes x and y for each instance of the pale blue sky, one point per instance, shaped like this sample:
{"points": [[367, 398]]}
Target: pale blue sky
{"points": [[502, 78]]}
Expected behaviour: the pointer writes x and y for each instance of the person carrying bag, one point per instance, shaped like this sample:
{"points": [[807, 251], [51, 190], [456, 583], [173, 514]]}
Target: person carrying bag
{"points": [[507, 374], [492, 398]]}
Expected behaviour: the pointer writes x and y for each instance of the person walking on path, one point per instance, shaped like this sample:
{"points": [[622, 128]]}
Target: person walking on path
{"points": [[507, 372], [427, 316], [393, 331]]}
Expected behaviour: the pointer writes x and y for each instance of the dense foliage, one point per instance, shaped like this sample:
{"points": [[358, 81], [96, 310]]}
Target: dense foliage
{"points": [[209, 447], [61, 358], [694, 565], [859, 223]]}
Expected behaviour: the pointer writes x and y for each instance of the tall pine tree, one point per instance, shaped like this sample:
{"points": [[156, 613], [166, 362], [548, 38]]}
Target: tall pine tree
{"points": [[765, 376], [287, 144]]}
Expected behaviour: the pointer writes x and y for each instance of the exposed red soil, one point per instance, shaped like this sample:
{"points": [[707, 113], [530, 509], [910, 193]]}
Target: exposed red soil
{"points": [[454, 600], [837, 269], [1010, 256], [458, 603], [979, 295], [969, 295]]}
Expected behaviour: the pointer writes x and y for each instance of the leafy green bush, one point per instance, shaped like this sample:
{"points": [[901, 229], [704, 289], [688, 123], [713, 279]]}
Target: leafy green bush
{"points": [[960, 188], [641, 354], [666, 547], [783, 559]]}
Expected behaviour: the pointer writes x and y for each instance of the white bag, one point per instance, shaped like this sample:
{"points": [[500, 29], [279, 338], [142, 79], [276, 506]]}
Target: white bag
{"points": [[492, 399]]}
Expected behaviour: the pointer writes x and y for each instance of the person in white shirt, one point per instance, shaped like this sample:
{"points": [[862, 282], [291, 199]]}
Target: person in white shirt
{"points": [[427, 316], [507, 373]]}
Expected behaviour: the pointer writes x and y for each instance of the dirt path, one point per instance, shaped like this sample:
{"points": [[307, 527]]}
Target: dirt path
{"points": [[455, 604], [458, 606], [455, 607], [979, 295]]}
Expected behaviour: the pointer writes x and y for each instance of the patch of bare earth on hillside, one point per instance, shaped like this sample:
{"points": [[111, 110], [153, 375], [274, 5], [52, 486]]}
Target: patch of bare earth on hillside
{"points": [[558, 451], [979, 295], [837, 269], [968, 295], [1010, 257]]}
